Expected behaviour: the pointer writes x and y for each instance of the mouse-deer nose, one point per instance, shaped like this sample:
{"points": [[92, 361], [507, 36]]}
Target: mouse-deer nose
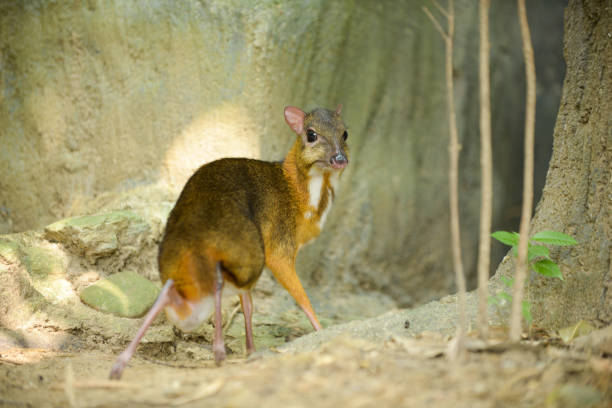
{"points": [[338, 161]]}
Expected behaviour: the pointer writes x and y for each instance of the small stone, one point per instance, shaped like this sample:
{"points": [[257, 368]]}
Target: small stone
{"points": [[124, 294]]}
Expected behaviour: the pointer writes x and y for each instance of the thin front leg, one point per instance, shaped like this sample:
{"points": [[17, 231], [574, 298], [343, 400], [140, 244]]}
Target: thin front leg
{"points": [[285, 273], [218, 345], [162, 301], [247, 310]]}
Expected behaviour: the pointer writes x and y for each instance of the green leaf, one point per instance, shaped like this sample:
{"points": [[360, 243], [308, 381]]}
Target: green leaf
{"points": [[554, 238], [493, 300], [503, 295], [535, 251], [505, 237], [507, 281], [526, 309], [548, 268]]}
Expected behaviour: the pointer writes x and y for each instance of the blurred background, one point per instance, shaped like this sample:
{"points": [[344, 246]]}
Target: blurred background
{"points": [[113, 104]]}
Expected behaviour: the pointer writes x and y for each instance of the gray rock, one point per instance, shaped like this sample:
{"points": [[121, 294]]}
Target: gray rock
{"points": [[100, 236], [598, 341]]}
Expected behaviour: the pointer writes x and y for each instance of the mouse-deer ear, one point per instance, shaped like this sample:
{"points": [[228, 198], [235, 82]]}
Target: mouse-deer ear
{"points": [[339, 109], [295, 119]]}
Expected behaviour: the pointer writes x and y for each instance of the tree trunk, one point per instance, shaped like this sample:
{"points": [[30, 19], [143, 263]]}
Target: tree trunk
{"points": [[577, 197]]}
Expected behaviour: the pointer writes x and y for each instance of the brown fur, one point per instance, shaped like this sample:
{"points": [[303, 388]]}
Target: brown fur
{"points": [[246, 213], [230, 211]]}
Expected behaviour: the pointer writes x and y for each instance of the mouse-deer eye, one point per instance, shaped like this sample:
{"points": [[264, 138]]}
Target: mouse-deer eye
{"points": [[311, 136]]}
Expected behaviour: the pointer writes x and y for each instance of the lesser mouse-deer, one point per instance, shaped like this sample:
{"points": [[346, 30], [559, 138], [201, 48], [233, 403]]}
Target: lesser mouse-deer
{"points": [[235, 216]]}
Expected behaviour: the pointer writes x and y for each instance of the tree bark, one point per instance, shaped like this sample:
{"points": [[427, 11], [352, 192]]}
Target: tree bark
{"points": [[577, 198]]}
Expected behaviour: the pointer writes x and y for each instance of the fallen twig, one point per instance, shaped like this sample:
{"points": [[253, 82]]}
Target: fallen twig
{"points": [[229, 321], [105, 384], [69, 386], [205, 390]]}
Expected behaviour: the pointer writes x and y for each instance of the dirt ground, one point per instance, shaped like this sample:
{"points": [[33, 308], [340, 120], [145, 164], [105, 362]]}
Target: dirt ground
{"points": [[401, 371], [57, 352]]}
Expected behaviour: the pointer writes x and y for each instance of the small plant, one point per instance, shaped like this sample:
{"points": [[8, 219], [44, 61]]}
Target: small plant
{"points": [[538, 260]]}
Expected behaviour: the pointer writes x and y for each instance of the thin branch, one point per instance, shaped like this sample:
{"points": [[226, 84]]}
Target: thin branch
{"points": [[440, 8], [486, 163], [435, 23], [521, 264], [457, 346], [453, 152]]}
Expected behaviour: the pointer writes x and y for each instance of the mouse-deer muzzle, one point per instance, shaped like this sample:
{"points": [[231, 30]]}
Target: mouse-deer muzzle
{"points": [[339, 160]]}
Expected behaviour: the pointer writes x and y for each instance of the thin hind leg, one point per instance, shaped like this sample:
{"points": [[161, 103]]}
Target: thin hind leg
{"points": [[166, 296], [218, 345]]}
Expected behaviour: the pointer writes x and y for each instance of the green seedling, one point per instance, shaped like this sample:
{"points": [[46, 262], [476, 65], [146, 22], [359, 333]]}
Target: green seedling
{"points": [[538, 260]]}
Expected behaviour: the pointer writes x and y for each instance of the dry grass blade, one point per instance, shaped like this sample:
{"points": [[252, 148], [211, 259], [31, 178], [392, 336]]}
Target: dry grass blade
{"points": [[104, 384], [229, 321], [69, 386], [19, 356], [205, 390]]}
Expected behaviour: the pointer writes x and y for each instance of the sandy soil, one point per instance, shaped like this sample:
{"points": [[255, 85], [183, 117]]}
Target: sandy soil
{"points": [[402, 371]]}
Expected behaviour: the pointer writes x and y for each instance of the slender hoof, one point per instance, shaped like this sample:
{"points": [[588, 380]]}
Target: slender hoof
{"points": [[219, 355], [117, 370]]}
